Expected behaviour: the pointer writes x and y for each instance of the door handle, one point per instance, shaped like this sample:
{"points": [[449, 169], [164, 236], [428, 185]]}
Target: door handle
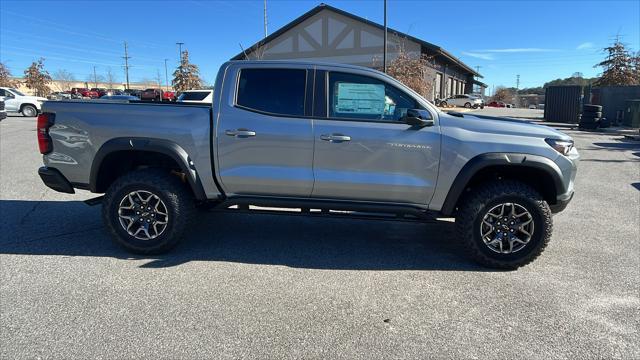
{"points": [[240, 133], [335, 138]]}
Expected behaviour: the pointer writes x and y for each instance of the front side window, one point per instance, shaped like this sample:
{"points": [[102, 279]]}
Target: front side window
{"points": [[16, 92], [274, 91], [365, 98]]}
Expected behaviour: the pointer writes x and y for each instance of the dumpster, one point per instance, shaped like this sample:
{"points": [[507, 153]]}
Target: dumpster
{"points": [[632, 113]]}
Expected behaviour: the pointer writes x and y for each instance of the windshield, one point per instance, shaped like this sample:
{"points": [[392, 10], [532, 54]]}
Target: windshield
{"points": [[17, 92]]}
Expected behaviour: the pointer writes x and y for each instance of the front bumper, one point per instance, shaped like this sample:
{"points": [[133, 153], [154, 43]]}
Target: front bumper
{"points": [[562, 202], [55, 180]]}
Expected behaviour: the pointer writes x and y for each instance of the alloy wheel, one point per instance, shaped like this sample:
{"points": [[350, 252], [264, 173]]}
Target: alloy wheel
{"points": [[143, 215], [507, 228]]}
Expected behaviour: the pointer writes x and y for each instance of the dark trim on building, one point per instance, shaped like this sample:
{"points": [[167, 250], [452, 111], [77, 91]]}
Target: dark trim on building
{"points": [[437, 50]]}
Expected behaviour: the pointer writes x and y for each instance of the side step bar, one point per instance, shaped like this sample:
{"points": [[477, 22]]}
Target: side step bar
{"points": [[325, 208]]}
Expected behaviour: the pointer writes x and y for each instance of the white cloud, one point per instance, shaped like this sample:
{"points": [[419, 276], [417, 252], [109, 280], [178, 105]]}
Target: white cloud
{"points": [[515, 50], [585, 45], [479, 55]]}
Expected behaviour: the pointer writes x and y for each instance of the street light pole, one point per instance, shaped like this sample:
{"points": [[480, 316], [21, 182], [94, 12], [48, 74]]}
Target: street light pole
{"points": [[179, 52]]}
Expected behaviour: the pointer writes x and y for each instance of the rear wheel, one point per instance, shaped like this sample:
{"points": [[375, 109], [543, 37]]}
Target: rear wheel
{"points": [[147, 211], [443, 103], [504, 224]]}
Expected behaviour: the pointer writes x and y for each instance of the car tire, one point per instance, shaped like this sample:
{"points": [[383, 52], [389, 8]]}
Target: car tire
{"points": [[443, 104], [467, 105], [29, 111], [170, 207], [595, 114], [481, 207], [594, 108]]}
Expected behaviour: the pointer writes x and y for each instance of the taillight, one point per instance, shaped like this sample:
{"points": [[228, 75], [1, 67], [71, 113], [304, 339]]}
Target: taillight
{"points": [[45, 120]]}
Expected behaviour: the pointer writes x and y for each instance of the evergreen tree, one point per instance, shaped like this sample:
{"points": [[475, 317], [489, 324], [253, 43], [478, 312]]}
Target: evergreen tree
{"points": [[620, 67], [37, 78], [187, 75]]}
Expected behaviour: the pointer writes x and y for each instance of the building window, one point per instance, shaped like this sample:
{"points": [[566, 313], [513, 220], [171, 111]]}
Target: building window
{"points": [[275, 91]]}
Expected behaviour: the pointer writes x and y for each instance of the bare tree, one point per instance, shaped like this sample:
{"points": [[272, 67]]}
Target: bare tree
{"points": [[37, 78], [158, 79], [502, 94], [63, 80], [111, 77], [413, 71], [91, 79], [6, 79]]}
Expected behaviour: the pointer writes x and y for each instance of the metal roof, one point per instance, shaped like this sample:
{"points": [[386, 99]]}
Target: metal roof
{"points": [[434, 48]]}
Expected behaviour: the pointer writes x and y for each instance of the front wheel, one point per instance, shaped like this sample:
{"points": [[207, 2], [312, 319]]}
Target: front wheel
{"points": [[467, 105], [147, 211], [504, 224], [29, 111]]}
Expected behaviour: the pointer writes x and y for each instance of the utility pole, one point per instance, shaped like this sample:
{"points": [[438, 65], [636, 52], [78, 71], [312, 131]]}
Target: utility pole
{"points": [[126, 58], [384, 46], [517, 87], [95, 77], [166, 75], [265, 19], [179, 52]]}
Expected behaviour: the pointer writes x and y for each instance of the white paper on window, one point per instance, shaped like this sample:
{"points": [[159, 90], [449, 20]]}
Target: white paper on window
{"points": [[360, 98]]}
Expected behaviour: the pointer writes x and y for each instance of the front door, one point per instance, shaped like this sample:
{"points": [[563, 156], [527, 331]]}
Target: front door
{"points": [[10, 102], [264, 140], [364, 152]]}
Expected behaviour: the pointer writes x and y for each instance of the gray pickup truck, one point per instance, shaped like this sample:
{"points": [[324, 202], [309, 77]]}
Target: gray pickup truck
{"points": [[323, 138]]}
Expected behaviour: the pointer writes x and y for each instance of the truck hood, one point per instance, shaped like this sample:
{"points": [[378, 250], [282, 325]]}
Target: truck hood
{"points": [[503, 126], [32, 98]]}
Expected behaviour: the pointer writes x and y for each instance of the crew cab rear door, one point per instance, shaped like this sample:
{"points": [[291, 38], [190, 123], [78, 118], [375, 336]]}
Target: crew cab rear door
{"points": [[363, 151], [264, 138]]}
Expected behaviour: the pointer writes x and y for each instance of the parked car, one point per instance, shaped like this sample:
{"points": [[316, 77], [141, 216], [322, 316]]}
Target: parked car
{"points": [[497, 104], [114, 92], [100, 91], [3, 113], [532, 107], [196, 96], [133, 92], [277, 142], [463, 100], [118, 97], [17, 102], [59, 95], [157, 95]]}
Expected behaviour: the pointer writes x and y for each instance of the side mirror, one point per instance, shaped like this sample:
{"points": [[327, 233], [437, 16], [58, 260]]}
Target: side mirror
{"points": [[418, 118]]}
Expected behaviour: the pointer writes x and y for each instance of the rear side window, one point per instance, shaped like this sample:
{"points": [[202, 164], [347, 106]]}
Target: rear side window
{"points": [[194, 95], [275, 91]]}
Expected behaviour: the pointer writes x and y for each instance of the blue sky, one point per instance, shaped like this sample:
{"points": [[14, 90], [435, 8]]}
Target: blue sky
{"points": [[539, 40]]}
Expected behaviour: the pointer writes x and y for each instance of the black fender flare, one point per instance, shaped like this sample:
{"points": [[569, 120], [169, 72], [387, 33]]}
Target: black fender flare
{"points": [[483, 161], [169, 148]]}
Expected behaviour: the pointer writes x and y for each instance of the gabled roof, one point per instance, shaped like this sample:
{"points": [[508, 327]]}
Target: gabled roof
{"points": [[433, 48]]}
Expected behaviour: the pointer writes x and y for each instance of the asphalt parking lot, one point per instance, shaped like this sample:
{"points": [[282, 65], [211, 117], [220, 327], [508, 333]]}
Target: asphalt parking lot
{"points": [[268, 286]]}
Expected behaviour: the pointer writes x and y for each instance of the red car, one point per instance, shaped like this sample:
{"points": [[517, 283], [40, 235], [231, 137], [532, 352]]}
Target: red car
{"points": [[497, 104], [100, 91], [157, 95]]}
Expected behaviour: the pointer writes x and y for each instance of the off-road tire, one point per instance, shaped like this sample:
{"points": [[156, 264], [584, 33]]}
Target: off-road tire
{"points": [[477, 204], [29, 111], [170, 189]]}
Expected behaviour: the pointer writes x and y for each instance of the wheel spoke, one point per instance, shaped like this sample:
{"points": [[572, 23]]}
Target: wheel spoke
{"points": [[144, 223], [502, 230]]}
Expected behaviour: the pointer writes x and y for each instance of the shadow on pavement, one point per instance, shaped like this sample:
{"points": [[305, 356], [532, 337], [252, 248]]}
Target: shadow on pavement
{"points": [[72, 228]]}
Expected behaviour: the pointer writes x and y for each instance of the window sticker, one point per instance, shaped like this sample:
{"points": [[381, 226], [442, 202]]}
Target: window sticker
{"points": [[360, 98]]}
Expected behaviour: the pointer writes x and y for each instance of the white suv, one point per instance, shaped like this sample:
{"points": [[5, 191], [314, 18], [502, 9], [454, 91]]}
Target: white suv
{"points": [[17, 102], [464, 100]]}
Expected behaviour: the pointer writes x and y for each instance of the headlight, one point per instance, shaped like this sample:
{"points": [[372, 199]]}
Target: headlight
{"points": [[561, 146]]}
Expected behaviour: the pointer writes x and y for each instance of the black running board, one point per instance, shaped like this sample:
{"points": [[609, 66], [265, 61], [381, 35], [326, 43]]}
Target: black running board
{"points": [[313, 207]]}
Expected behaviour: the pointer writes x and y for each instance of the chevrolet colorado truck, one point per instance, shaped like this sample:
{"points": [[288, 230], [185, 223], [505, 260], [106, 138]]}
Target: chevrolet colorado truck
{"points": [[321, 138]]}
